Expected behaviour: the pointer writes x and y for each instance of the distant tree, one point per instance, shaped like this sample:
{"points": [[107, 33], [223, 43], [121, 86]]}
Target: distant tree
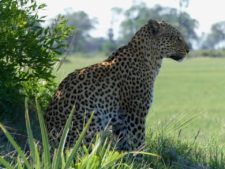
{"points": [[183, 4], [137, 15], [94, 44], [216, 38], [110, 43], [187, 26], [84, 24]]}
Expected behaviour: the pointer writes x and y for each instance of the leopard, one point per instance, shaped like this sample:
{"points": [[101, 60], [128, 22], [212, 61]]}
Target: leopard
{"points": [[119, 90]]}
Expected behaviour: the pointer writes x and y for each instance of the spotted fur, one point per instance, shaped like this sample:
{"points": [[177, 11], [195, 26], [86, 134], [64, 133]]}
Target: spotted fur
{"points": [[119, 89]]}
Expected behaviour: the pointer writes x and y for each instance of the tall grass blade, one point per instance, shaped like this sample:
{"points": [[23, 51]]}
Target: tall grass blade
{"points": [[16, 146], [179, 122], [44, 137], [145, 153], [185, 123], [63, 140], [37, 155], [54, 156], [19, 164], [63, 160], [29, 132], [112, 159], [123, 166], [77, 145], [5, 163]]}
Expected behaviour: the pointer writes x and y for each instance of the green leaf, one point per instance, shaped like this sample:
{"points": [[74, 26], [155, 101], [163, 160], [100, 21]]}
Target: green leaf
{"points": [[29, 132], [37, 154], [42, 6], [44, 137], [19, 164], [145, 153]]}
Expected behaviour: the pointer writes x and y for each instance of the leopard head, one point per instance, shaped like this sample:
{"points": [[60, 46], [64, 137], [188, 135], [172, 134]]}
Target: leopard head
{"points": [[170, 42]]}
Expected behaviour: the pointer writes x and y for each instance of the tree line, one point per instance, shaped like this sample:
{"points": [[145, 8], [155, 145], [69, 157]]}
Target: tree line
{"points": [[134, 17]]}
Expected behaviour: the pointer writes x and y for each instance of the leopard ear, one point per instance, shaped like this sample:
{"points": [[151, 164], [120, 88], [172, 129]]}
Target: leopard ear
{"points": [[154, 26]]}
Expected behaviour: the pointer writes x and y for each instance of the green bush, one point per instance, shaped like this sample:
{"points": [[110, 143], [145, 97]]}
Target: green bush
{"points": [[28, 52]]}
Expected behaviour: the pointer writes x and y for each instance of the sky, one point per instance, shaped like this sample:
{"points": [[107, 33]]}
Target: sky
{"points": [[206, 12]]}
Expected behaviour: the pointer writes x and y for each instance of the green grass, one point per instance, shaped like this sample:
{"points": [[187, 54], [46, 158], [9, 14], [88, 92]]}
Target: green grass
{"points": [[185, 127], [192, 89], [42, 155], [163, 151], [77, 157], [69, 64]]}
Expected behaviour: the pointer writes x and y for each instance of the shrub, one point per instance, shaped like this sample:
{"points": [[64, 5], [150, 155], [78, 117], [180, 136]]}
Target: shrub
{"points": [[28, 52]]}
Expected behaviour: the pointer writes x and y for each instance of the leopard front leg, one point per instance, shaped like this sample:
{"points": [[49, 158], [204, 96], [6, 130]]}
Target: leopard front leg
{"points": [[136, 133], [130, 132], [120, 131]]}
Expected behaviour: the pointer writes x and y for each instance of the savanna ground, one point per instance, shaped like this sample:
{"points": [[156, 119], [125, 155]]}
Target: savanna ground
{"points": [[188, 95]]}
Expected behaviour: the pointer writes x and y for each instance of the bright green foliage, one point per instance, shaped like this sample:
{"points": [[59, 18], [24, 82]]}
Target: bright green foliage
{"points": [[28, 51]]}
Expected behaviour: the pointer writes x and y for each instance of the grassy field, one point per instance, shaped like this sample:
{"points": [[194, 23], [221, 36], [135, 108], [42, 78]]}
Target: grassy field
{"points": [[186, 124], [193, 88], [188, 95]]}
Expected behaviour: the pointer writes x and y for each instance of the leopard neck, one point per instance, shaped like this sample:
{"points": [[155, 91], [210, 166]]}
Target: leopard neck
{"points": [[145, 51]]}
